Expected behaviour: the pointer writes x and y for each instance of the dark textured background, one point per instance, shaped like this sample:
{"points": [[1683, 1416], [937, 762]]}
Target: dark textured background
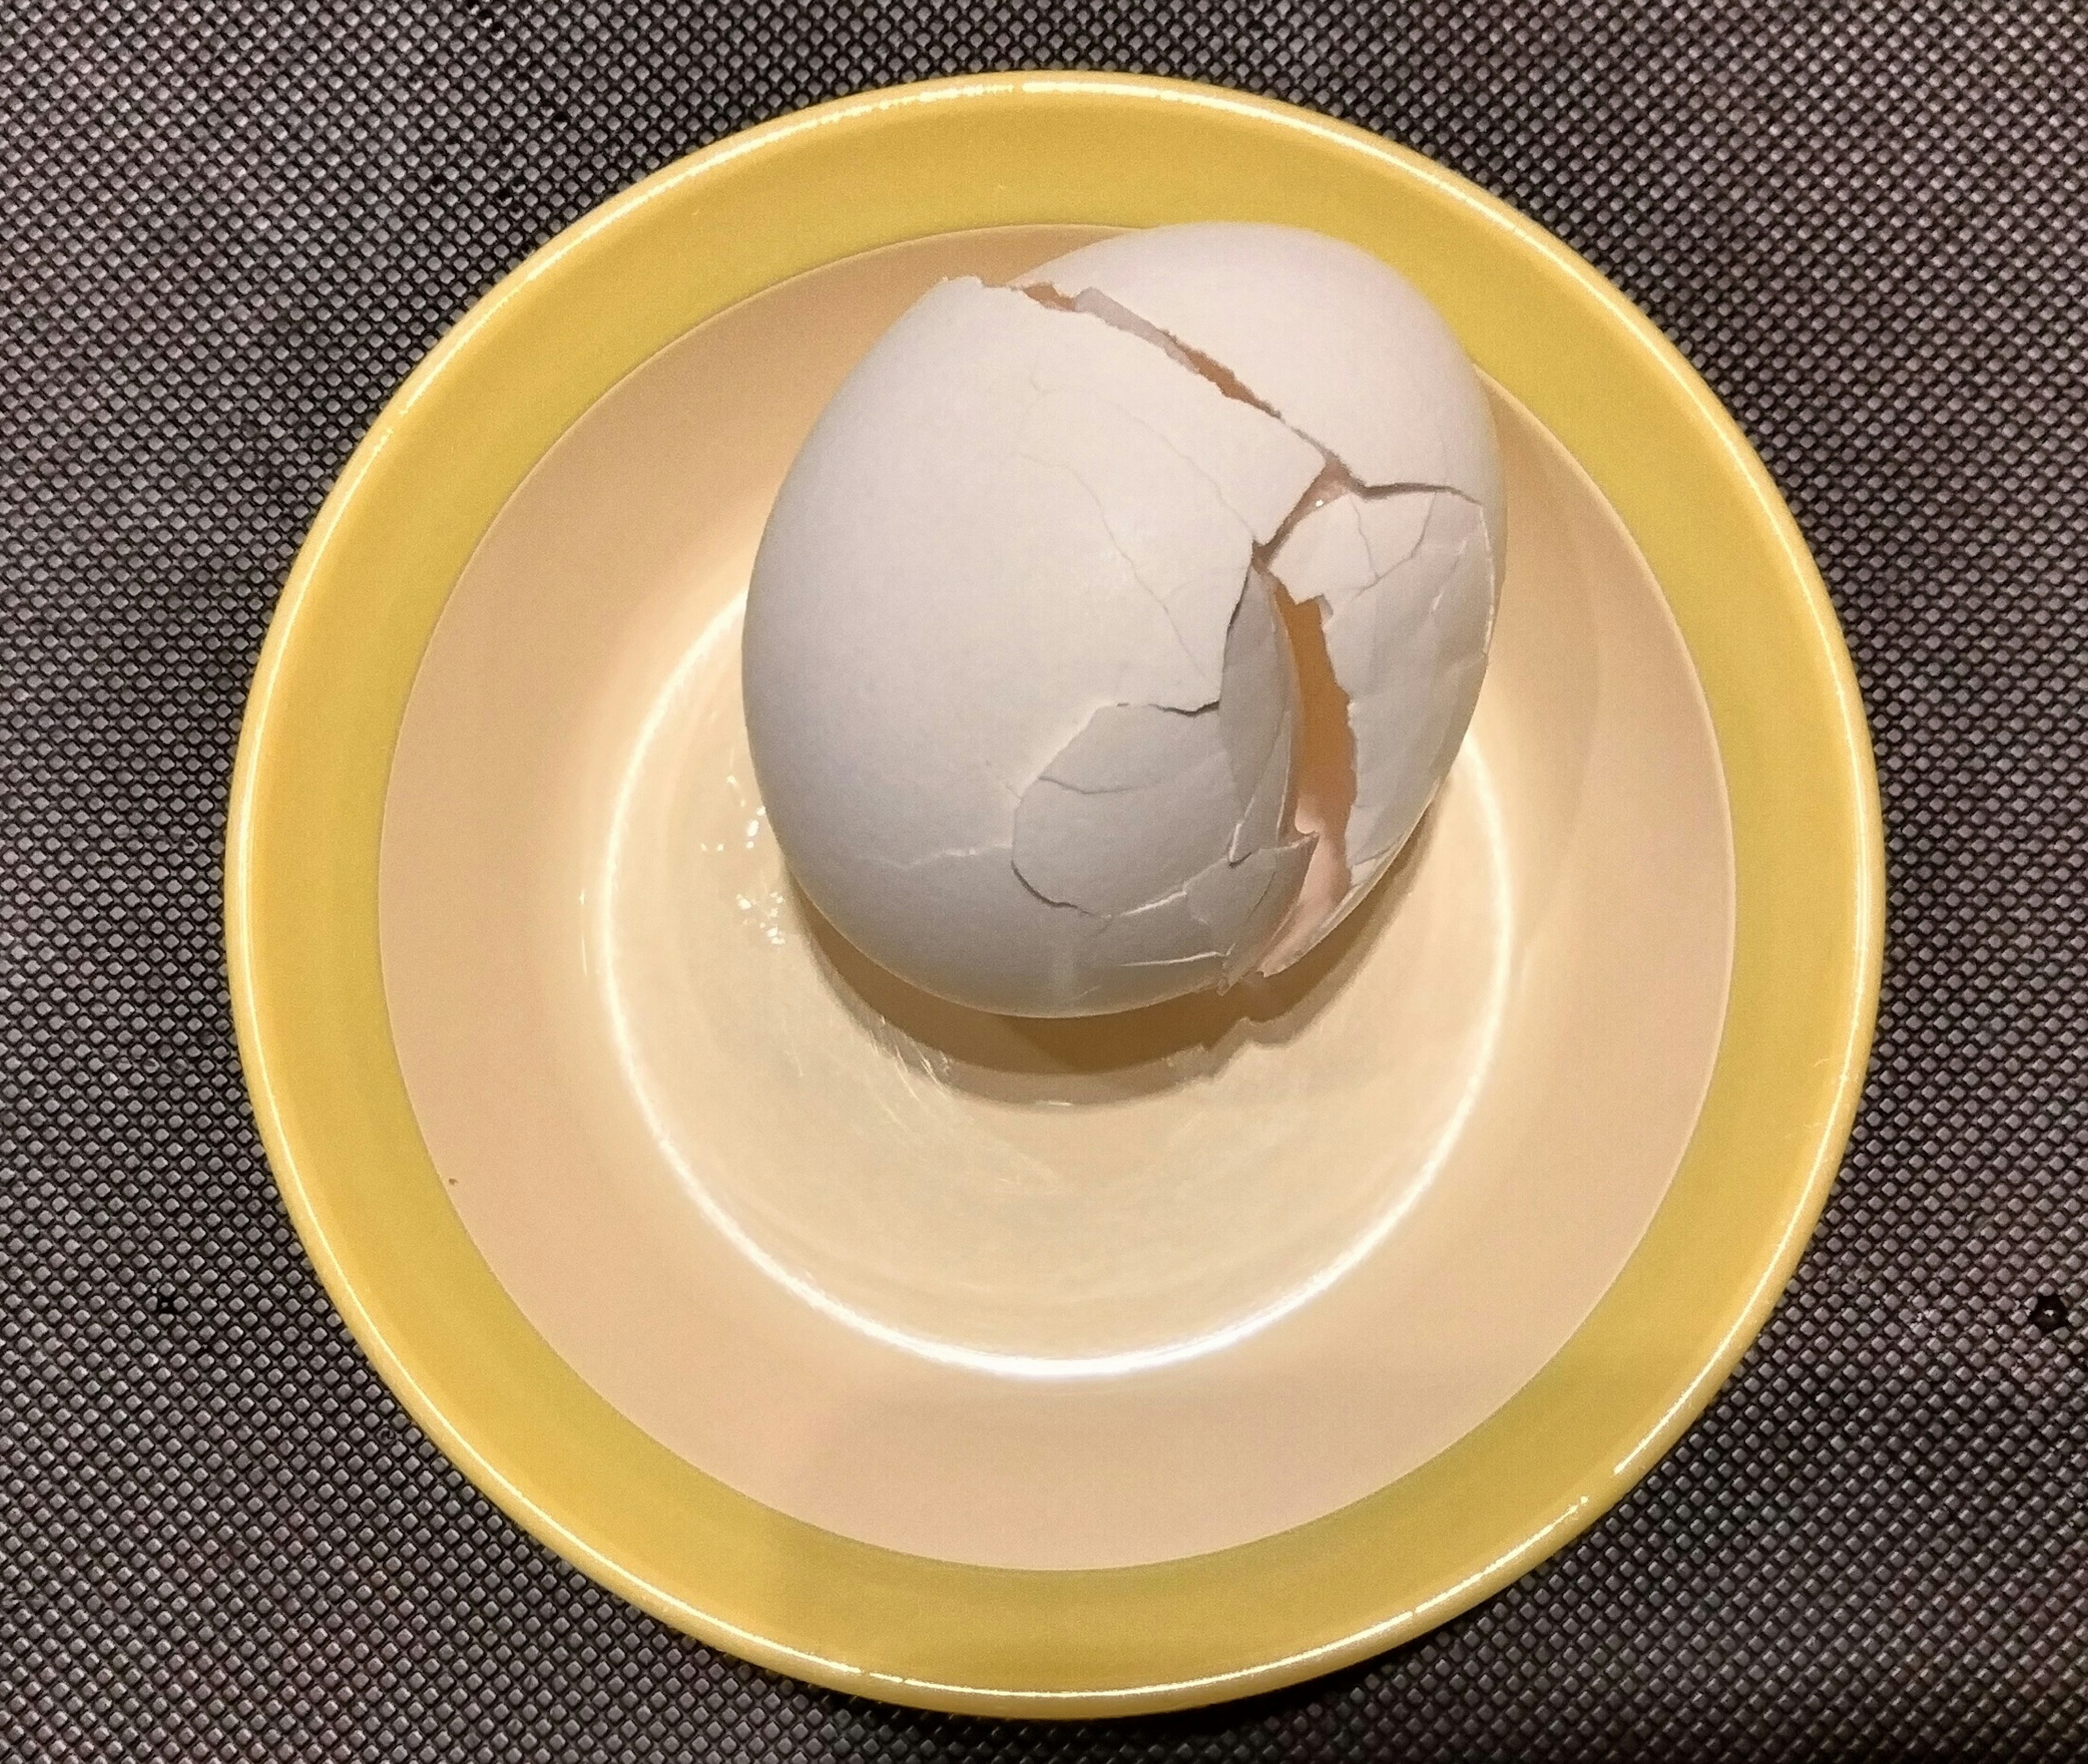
{"points": [[228, 232]]}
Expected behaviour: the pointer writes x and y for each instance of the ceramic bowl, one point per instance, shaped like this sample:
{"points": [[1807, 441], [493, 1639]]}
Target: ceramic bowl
{"points": [[1063, 1368]]}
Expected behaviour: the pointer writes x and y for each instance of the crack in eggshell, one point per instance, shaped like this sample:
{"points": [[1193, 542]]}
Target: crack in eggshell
{"points": [[1411, 650], [1222, 917], [1256, 464], [1212, 899], [1083, 831], [1218, 778], [1165, 601], [1118, 317], [1260, 729], [1372, 374], [1348, 543], [946, 856], [1323, 789], [1252, 894]]}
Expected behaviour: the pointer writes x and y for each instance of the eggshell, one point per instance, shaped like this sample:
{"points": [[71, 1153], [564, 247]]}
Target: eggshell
{"points": [[1407, 579], [1022, 707]]}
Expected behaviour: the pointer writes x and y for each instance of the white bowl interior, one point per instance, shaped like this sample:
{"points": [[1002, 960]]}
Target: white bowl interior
{"points": [[1045, 1294]]}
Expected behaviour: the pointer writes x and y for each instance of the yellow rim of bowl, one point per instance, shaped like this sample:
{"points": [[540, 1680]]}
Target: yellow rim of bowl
{"points": [[307, 802]]}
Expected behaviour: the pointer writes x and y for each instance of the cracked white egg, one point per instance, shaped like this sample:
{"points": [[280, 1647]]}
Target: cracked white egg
{"points": [[1112, 631]]}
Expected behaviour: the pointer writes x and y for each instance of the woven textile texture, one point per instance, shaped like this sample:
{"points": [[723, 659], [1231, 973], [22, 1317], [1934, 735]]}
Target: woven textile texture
{"points": [[229, 230]]}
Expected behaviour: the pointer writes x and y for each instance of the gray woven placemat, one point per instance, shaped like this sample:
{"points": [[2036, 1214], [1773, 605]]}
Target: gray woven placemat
{"points": [[228, 232]]}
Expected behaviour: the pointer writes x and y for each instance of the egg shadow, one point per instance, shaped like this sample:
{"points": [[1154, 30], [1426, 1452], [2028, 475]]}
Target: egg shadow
{"points": [[1084, 1061]]}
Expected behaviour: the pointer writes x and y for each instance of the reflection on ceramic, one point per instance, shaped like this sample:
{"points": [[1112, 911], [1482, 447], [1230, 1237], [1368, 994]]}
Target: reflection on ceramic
{"points": [[1112, 1290]]}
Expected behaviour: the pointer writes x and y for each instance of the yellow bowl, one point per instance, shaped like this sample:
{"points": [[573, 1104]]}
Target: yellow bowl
{"points": [[302, 885]]}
